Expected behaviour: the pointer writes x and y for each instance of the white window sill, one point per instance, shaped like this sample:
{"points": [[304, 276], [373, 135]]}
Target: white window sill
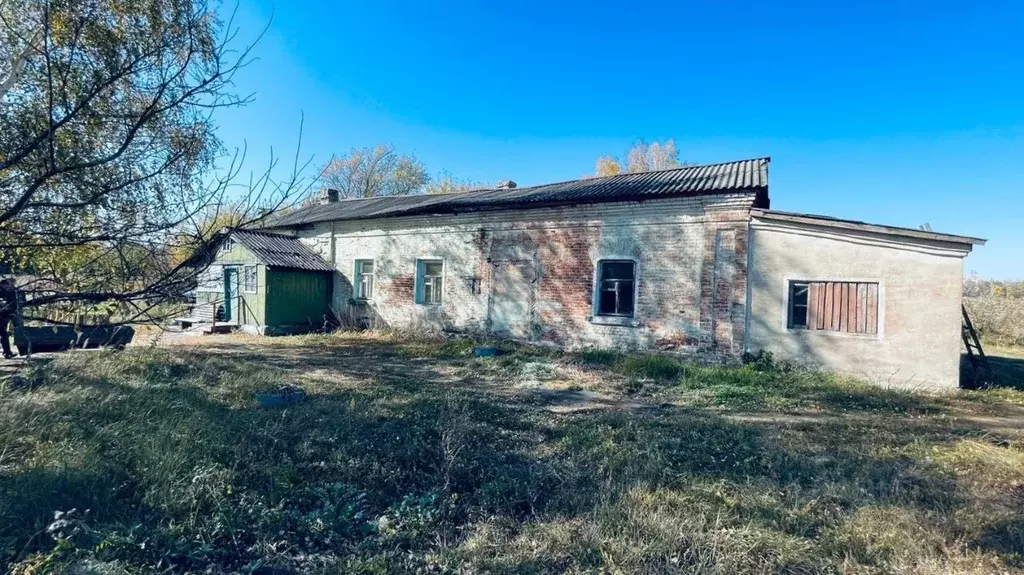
{"points": [[614, 320]]}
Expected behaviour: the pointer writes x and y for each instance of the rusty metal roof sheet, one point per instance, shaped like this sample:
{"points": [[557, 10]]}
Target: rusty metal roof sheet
{"points": [[280, 251], [743, 175]]}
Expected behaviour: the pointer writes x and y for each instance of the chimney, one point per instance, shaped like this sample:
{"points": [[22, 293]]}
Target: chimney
{"points": [[505, 185], [329, 195]]}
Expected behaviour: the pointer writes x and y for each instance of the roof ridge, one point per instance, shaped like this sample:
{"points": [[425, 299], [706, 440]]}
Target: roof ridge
{"points": [[766, 159], [748, 174], [477, 191]]}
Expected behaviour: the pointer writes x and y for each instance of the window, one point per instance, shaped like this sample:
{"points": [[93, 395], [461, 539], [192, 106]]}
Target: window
{"points": [[211, 280], [616, 287], [249, 279], [430, 281], [364, 279], [850, 307], [798, 297]]}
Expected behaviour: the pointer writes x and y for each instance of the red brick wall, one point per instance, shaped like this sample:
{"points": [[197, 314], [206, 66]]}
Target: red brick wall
{"points": [[691, 272]]}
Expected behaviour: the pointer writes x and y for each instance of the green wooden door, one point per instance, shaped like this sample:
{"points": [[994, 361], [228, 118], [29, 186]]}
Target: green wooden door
{"points": [[230, 292]]}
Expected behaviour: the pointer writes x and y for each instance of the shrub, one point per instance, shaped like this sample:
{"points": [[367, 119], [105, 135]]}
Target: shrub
{"points": [[659, 367], [999, 319], [598, 356]]}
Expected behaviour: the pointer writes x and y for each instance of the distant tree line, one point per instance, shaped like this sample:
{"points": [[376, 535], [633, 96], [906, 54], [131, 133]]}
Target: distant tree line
{"points": [[996, 308], [381, 170], [976, 286], [641, 157]]}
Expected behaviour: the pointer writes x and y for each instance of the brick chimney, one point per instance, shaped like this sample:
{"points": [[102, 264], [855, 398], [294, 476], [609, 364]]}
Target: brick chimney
{"points": [[329, 195]]}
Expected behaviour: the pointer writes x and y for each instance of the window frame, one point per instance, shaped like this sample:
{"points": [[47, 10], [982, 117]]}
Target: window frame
{"points": [[599, 285], [255, 278], [874, 300], [421, 281], [792, 305], [357, 279]]}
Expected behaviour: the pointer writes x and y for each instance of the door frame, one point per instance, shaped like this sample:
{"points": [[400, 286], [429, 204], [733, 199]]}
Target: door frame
{"points": [[231, 294], [524, 266]]}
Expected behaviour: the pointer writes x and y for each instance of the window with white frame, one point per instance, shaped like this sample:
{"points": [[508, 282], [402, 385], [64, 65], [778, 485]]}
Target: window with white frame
{"points": [[429, 281], [364, 279], [616, 288], [249, 279]]}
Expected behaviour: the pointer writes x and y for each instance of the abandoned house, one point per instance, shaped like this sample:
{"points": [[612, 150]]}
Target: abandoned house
{"points": [[690, 260], [263, 282]]}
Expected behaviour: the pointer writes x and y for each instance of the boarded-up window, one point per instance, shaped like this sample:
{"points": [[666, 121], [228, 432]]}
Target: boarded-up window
{"points": [[850, 307]]}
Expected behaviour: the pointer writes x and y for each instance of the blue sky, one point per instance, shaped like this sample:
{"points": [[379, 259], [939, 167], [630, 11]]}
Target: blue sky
{"points": [[899, 113]]}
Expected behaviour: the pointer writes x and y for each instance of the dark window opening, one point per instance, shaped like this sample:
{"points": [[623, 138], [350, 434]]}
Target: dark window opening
{"points": [[798, 293], [616, 288]]}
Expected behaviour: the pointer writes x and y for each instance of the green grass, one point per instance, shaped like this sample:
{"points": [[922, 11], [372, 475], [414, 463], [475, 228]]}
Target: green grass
{"points": [[414, 456]]}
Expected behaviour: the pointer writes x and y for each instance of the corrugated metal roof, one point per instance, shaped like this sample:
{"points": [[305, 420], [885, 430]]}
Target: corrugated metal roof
{"points": [[280, 251], [690, 180]]}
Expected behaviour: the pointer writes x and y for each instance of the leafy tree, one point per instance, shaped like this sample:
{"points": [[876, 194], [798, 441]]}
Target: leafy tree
{"points": [[446, 183], [376, 171], [200, 230], [608, 166], [642, 157], [107, 147]]}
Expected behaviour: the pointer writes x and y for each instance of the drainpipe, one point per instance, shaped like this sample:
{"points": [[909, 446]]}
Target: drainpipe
{"points": [[750, 284]]}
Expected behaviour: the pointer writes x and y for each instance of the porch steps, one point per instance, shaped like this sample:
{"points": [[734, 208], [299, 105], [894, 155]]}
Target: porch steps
{"points": [[218, 327]]}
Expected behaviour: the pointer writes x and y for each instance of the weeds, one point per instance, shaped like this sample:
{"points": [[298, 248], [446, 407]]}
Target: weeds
{"points": [[998, 318], [410, 456]]}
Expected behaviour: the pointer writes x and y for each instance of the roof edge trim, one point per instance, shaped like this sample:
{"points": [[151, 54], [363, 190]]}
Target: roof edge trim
{"points": [[854, 225]]}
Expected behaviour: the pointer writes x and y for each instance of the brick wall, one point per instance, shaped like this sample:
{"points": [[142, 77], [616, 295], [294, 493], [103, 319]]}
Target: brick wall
{"points": [[530, 274]]}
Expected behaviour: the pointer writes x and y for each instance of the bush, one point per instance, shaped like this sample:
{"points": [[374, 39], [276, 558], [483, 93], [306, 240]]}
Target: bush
{"points": [[642, 366], [658, 367], [998, 318]]}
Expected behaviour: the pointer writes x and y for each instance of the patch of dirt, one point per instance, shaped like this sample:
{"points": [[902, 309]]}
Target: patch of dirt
{"points": [[575, 401], [553, 387]]}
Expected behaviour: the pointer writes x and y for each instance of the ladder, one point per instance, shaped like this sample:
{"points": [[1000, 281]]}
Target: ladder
{"points": [[976, 355]]}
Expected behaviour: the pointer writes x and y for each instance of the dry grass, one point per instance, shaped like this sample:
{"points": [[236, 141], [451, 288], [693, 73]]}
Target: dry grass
{"points": [[414, 456], [998, 319]]}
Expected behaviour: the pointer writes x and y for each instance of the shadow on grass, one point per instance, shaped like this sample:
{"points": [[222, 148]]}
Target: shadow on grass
{"points": [[169, 449], [1007, 371]]}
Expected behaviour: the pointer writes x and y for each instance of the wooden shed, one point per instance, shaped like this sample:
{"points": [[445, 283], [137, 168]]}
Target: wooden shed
{"points": [[264, 283]]}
